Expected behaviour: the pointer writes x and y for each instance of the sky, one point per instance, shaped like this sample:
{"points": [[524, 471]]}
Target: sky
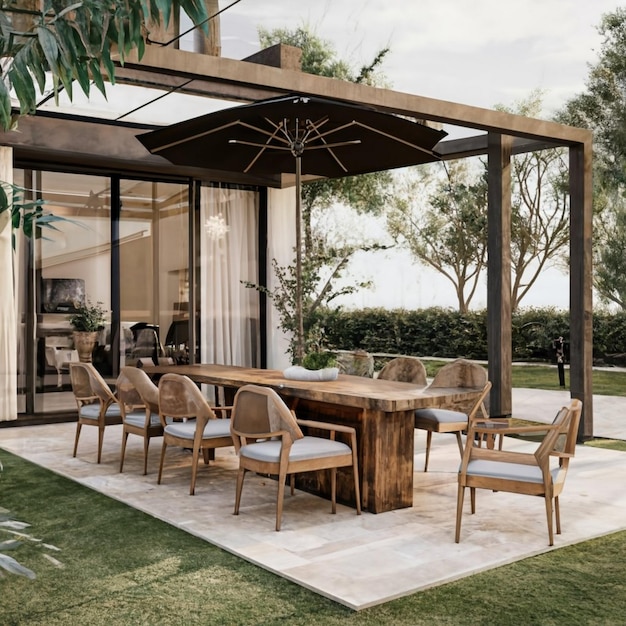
{"points": [[476, 52]]}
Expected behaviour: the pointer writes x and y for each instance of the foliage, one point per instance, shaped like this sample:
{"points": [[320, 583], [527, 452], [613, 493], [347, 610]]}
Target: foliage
{"points": [[601, 107], [76, 42], [318, 289], [324, 261], [539, 207], [29, 215], [319, 360], [448, 231], [88, 317], [439, 332]]}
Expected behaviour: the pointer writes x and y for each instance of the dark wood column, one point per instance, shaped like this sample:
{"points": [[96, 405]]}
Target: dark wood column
{"points": [[581, 300], [499, 273]]}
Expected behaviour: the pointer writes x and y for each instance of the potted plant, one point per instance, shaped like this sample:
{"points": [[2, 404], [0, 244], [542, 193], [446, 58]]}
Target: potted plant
{"points": [[86, 321], [316, 365]]}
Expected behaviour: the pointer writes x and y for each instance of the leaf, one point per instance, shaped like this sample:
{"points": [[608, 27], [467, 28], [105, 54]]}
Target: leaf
{"points": [[10, 544], [5, 106], [11, 565], [49, 47]]}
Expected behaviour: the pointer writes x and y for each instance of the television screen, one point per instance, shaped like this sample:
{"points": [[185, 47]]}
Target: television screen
{"points": [[62, 295]]}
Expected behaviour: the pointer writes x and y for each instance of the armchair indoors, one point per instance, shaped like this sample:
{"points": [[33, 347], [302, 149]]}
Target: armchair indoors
{"points": [[189, 422], [139, 401], [535, 474], [268, 440], [97, 404]]}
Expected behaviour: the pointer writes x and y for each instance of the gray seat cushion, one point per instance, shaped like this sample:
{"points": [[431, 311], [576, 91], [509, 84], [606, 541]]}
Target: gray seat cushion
{"points": [[508, 471], [138, 419], [186, 430], [302, 449], [440, 416], [92, 411]]}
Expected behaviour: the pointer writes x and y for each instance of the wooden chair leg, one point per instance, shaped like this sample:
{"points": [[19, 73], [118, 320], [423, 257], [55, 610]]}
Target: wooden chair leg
{"points": [[357, 487], [333, 489], [292, 483], [459, 513], [282, 477], [161, 463], [548, 500], [78, 428], [123, 452], [459, 442], [240, 476], [100, 440], [194, 468], [557, 515], [473, 499], [146, 445], [429, 438]]}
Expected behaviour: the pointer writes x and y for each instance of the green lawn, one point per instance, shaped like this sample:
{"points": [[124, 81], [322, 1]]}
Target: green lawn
{"points": [[605, 383], [118, 566]]}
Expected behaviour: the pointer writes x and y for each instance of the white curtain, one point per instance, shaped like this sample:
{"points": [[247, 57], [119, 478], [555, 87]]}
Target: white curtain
{"points": [[281, 226], [228, 255], [8, 343]]}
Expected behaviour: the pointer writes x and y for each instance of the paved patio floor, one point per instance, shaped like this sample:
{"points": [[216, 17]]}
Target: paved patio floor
{"points": [[356, 561]]}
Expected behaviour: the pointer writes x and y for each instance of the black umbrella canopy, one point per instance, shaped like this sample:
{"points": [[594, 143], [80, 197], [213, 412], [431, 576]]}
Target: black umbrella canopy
{"points": [[296, 134], [332, 138]]}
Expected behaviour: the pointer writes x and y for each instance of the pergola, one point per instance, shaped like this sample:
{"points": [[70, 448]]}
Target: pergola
{"points": [[52, 138]]}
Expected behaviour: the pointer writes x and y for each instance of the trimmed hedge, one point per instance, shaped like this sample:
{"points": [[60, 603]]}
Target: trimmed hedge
{"points": [[440, 332]]}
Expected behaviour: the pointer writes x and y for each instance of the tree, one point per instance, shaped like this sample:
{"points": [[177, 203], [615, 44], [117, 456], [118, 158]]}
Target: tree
{"points": [[602, 108], [449, 233], [323, 262], [448, 230], [73, 42], [539, 208]]}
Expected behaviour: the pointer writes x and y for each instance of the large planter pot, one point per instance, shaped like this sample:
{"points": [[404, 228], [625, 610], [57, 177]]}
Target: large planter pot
{"points": [[85, 342]]}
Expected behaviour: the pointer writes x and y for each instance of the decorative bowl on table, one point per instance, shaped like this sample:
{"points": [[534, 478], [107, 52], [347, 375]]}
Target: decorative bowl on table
{"points": [[297, 372]]}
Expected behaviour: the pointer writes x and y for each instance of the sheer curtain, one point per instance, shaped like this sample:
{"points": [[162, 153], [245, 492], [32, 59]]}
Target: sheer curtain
{"points": [[229, 321]]}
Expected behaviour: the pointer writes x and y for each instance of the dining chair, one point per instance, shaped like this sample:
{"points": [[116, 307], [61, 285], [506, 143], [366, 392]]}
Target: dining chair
{"points": [[138, 397], [404, 369], [190, 422], [97, 404], [268, 440], [441, 420], [526, 473]]}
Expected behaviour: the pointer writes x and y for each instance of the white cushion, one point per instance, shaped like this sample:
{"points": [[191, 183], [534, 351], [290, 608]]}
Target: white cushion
{"points": [[215, 428], [92, 411], [508, 471], [441, 416], [305, 448]]}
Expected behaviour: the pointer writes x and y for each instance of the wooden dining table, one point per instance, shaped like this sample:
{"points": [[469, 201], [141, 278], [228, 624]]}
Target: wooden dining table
{"points": [[381, 411]]}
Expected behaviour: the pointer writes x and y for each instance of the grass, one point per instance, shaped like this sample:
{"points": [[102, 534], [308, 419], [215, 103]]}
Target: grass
{"points": [[120, 566], [605, 383]]}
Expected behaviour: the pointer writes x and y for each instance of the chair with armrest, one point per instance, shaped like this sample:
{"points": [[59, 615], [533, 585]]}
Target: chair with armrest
{"points": [[97, 404], [520, 472], [189, 422], [404, 369], [268, 440], [437, 420], [139, 401]]}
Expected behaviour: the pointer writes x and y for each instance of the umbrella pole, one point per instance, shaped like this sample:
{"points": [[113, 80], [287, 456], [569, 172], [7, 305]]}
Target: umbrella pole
{"points": [[299, 314]]}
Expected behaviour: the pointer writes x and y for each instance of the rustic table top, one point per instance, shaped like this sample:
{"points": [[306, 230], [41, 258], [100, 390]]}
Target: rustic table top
{"points": [[356, 391]]}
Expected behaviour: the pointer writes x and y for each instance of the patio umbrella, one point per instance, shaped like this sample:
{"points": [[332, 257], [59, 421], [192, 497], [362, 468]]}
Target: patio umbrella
{"points": [[296, 134]]}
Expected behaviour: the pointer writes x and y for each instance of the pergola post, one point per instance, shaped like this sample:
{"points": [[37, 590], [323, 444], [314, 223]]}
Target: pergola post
{"points": [[499, 274], [581, 295]]}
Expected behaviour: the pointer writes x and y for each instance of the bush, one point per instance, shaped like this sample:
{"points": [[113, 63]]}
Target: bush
{"points": [[439, 332]]}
